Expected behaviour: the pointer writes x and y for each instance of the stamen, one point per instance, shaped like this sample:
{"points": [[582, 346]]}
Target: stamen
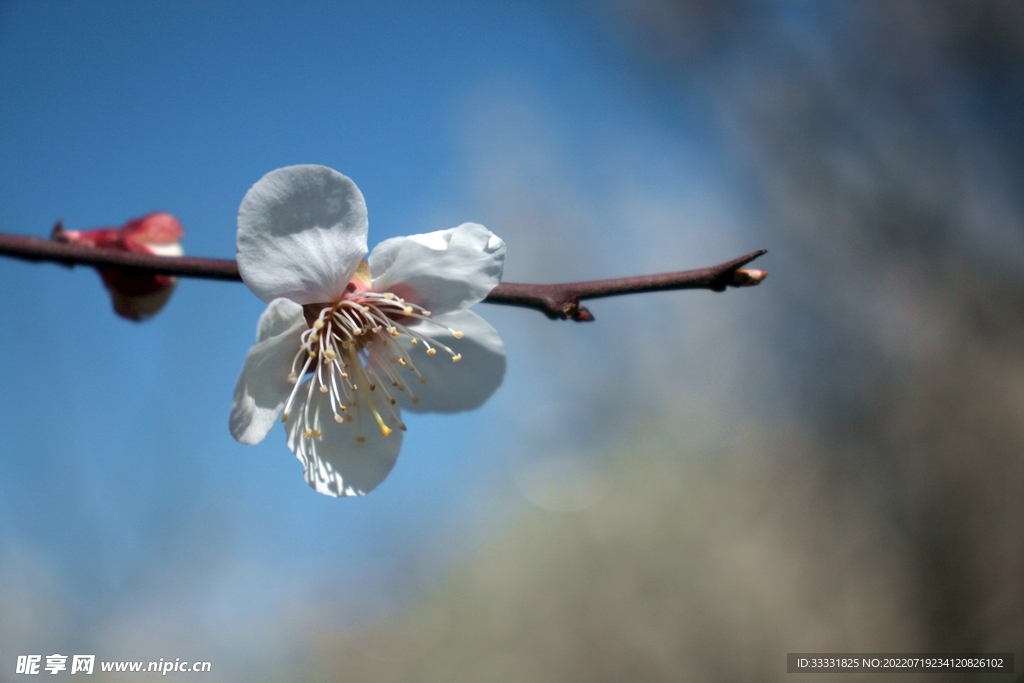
{"points": [[352, 336]]}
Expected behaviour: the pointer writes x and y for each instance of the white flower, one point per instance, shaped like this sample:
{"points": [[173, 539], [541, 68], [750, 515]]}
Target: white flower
{"points": [[345, 344]]}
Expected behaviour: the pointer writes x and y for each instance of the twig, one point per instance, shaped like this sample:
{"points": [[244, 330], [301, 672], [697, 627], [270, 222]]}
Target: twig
{"points": [[563, 300], [555, 301]]}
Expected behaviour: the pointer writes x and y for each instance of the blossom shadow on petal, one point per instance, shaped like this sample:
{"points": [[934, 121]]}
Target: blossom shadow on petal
{"points": [[453, 387], [337, 463]]}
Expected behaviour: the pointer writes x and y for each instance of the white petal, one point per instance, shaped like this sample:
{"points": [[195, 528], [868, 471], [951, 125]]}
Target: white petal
{"points": [[442, 271], [336, 464], [280, 315], [454, 387], [301, 234], [263, 386]]}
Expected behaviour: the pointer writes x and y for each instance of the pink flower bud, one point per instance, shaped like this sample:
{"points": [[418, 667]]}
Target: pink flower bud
{"points": [[136, 297]]}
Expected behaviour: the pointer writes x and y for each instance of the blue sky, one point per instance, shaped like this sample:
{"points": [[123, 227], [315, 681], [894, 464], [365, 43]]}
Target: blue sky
{"points": [[129, 519]]}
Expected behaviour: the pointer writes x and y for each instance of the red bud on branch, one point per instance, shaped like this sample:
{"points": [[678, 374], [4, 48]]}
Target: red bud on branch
{"points": [[136, 296]]}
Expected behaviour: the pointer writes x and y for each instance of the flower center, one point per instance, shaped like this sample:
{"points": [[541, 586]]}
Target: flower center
{"points": [[353, 353]]}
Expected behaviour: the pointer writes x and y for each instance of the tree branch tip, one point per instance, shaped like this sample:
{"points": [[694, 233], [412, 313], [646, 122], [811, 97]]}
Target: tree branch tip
{"points": [[748, 277]]}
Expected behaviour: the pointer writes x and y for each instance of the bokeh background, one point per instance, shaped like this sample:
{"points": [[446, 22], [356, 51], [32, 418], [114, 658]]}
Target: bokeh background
{"points": [[685, 489]]}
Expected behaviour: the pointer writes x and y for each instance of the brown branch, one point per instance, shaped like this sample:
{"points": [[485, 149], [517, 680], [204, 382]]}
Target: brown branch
{"points": [[36, 249], [555, 301], [563, 300]]}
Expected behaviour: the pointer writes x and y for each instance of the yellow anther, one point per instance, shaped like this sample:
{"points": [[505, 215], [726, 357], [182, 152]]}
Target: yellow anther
{"points": [[330, 354], [415, 341], [338, 418], [431, 351], [308, 433], [292, 376], [385, 430], [456, 358], [323, 388], [317, 433], [426, 312], [319, 324], [284, 417], [394, 333], [360, 438], [342, 408], [407, 310], [457, 334], [389, 295], [315, 336], [415, 399], [401, 361]]}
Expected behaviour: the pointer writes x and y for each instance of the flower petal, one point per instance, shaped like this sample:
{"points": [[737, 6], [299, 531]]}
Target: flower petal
{"points": [[454, 387], [155, 229], [336, 464], [301, 234], [442, 271], [263, 386], [280, 316]]}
